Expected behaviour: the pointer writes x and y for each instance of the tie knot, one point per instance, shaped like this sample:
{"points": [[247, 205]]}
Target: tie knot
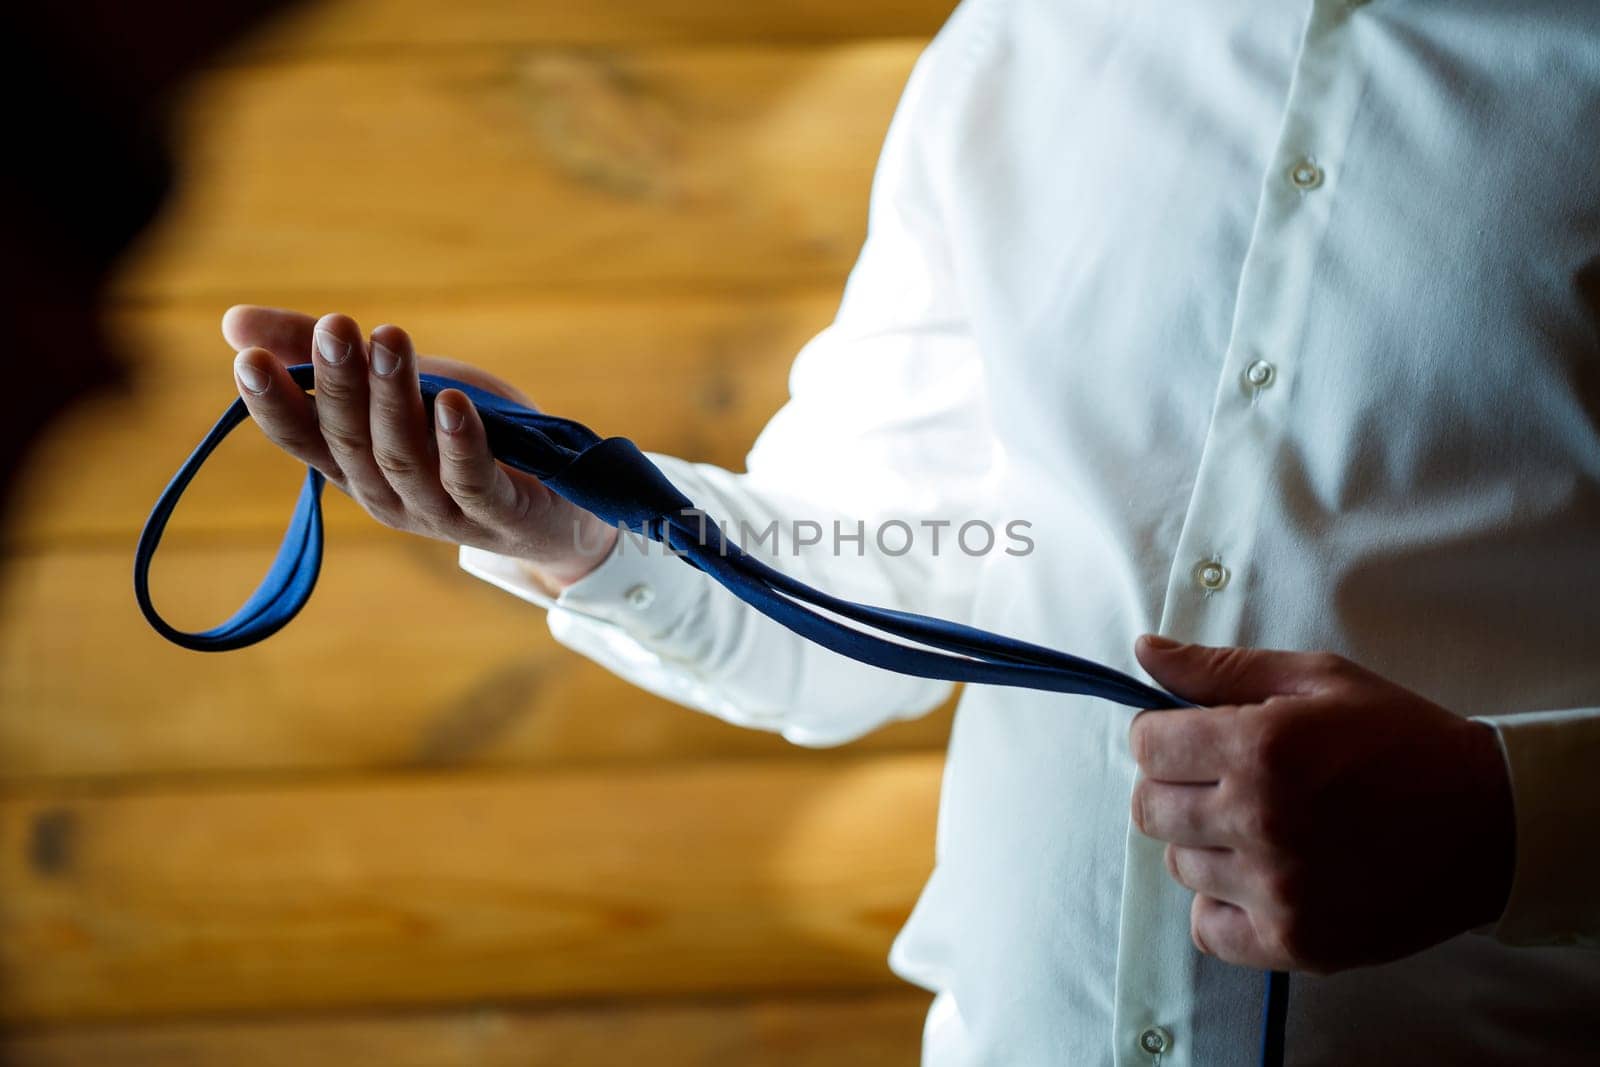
{"points": [[618, 483]]}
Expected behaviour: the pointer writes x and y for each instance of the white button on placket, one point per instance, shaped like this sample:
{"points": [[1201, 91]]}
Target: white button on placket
{"points": [[640, 596], [1155, 1040], [1260, 374], [1305, 174], [1210, 575]]}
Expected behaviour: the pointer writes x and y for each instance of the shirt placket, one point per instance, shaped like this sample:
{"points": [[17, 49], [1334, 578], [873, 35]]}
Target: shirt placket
{"points": [[1211, 574]]}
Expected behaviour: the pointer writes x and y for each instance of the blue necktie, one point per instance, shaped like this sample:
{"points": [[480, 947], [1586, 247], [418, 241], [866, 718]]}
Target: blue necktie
{"points": [[613, 479]]}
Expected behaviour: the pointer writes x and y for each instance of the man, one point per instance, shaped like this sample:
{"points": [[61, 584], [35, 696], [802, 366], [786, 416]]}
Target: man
{"points": [[1280, 325]]}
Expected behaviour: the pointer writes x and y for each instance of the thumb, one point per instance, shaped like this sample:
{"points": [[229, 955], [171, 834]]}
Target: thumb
{"points": [[472, 375], [1211, 676], [286, 334]]}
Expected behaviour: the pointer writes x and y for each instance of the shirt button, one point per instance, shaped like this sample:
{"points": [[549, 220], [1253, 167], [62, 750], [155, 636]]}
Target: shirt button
{"points": [[1305, 174], [639, 596], [1211, 575], [1154, 1040], [1260, 374]]}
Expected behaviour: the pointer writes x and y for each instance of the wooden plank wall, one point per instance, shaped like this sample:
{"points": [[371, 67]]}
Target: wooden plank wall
{"points": [[411, 829]]}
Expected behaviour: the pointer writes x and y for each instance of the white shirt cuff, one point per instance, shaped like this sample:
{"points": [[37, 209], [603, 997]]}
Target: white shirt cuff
{"points": [[1555, 892], [636, 614], [639, 587]]}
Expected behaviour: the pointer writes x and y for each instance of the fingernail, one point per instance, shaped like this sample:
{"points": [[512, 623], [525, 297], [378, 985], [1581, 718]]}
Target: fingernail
{"points": [[331, 348], [448, 417], [1159, 643], [384, 361], [251, 377]]}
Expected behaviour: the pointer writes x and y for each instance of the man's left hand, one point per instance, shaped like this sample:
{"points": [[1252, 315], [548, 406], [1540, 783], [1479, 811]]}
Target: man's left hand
{"points": [[1326, 818]]}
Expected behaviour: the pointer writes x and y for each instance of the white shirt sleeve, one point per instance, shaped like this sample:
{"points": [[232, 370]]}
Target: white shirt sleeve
{"points": [[1553, 757], [887, 424]]}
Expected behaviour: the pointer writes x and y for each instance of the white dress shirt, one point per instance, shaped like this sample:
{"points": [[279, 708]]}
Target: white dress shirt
{"points": [[1280, 323]]}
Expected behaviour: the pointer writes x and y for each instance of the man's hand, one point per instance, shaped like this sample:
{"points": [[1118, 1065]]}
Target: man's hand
{"points": [[1324, 817], [367, 433]]}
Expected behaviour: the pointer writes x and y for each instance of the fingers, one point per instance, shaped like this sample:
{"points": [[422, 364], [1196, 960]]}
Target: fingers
{"points": [[367, 427], [402, 447], [1211, 676], [469, 472], [1192, 815], [1183, 744], [286, 334], [283, 411], [344, 412], [1225, 931], [1211, 872]]}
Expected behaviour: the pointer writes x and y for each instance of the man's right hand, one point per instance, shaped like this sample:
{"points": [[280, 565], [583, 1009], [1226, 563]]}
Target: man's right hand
{"points": [[367, 432]]}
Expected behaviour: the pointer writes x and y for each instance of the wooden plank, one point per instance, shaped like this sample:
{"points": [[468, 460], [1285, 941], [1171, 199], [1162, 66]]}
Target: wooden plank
{"points": [[763, 877], [518, 169], [694, 376], [425, 25], [400, 661], [864, 1030]]}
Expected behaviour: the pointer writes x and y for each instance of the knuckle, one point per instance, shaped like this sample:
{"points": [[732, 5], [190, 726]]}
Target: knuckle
{"points": [[1137, 804], [462, 447], [302, 442], [1278, 930], [1263, 824], [296, 440], [1255, 751], [396, 461], [436, 514], [1196, 934], [391, 404], [467, 488], [393, 518], [385, 510], [1170, 858], [1230, 661], [344, 438], [518, 514], [1191, 820], [1270, 743], [1332, 667], [276, 423], [333, 387], [1139, 740]]}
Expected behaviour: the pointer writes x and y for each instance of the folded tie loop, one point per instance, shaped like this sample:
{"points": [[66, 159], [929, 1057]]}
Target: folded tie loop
{"points": [[288, 582]]}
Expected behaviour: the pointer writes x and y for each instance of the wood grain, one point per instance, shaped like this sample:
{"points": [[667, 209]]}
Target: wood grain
{"points": [[862, 1030], [761, 877], [509, 168], [400, 661], [411, 829], [387, 25]]}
